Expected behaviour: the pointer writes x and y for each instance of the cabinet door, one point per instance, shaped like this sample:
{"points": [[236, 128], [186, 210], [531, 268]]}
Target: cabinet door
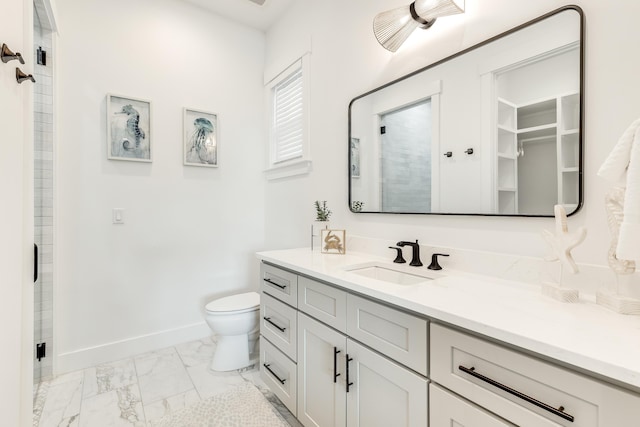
{"points": [[321, 397], [383, 393], [448, 410]]}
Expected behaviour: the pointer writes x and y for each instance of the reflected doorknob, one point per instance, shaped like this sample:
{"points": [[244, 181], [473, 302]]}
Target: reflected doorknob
{"points": [[21, 77]]}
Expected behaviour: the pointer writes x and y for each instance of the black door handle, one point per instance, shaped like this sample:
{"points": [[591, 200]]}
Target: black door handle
{"points": [[349, 384], [335, 364], [35, 263]]}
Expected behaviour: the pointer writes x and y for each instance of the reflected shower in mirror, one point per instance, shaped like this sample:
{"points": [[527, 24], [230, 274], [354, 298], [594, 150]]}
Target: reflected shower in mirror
{"points": [[493, 130]]}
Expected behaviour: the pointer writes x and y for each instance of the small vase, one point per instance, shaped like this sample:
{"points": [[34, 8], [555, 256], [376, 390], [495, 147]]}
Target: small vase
{"points": [[315, 231]]}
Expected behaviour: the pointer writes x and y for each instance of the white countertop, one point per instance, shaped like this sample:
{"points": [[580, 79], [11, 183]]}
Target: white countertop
{"points": [[584, 335]]}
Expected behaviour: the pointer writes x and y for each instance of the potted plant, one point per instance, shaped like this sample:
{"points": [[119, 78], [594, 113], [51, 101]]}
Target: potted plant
{"points": [[322, 211], [356, 206], [322, 219]]}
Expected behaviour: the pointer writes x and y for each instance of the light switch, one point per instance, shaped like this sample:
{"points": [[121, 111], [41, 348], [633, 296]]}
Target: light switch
{"points": [[118, 215]]}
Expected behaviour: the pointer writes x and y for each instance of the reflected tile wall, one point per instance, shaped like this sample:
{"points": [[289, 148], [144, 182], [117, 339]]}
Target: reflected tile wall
{"points": [[43, 199]]}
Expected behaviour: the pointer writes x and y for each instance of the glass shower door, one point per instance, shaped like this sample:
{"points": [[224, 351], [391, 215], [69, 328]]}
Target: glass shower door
{"points": [[43, 194]]}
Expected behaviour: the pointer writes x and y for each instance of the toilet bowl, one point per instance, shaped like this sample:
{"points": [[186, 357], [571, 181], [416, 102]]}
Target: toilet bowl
{"points": [[232, 319]]}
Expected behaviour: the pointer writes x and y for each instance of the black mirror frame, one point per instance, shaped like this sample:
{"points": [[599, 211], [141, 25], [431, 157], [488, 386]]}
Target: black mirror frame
{"points": [[462, 52]]}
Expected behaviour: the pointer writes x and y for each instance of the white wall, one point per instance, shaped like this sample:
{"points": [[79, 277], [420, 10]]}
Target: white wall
{"points": [[347, 61], [190, 233]]}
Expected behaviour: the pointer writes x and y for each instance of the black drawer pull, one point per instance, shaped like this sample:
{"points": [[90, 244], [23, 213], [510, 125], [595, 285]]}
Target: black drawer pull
{"points": [[559, 412], [273, 373], [275, 284], [335, 364], [280, 328]]}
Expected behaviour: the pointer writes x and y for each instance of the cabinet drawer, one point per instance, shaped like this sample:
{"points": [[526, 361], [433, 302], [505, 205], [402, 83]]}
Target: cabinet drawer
{"points": [[539, 393], [445, 409], [278, 324], [325, 303], [279, 283], [399, 335], [279, 373]]}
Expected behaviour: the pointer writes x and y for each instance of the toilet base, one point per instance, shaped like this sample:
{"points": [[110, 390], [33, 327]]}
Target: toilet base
{"points": [[232, 352]]}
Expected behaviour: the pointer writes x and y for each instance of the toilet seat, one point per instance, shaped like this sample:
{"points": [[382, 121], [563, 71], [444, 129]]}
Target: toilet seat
{"points": [[238, 303]]}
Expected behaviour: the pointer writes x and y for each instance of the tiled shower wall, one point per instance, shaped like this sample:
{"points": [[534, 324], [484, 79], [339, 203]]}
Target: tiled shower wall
{"points": [[43, 199]]}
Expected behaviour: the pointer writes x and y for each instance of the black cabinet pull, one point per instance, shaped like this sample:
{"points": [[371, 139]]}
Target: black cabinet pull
{"points": [[274, 283], [349, 384], [273, 373], [35, 263], [335, 364], [268, 319], [558, 412]]}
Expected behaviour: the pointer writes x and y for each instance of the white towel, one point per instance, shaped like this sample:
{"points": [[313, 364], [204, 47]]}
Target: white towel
{"points": [[622, 167]]}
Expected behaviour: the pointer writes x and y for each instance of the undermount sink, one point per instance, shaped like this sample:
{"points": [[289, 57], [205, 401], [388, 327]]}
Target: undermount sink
{"points": [[388, 274]]}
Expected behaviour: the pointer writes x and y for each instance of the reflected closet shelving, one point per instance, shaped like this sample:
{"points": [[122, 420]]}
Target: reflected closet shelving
{"points": [[537, 152]]}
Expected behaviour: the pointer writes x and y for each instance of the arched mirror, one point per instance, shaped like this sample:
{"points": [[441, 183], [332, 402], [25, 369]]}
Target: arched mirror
{"points": [[493, 130]]}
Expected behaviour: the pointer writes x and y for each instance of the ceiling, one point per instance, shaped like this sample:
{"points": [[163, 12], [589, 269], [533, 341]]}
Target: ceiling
{"points": [[246, 11]]}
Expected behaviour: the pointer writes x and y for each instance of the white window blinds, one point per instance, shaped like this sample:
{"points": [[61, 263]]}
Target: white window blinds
{"points": [[288, 117]]}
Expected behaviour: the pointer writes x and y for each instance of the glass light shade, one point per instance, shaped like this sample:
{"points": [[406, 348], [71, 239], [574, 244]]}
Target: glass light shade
{"points": [[432, 9], [394, 26]]}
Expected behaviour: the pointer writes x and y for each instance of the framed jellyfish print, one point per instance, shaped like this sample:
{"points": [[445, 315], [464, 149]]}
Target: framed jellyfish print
{"points": [[200, 138], [128, 129]]}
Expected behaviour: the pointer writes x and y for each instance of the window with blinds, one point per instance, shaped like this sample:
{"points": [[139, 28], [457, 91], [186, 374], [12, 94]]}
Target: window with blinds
{"points": [[287, 98], [288, 117]]}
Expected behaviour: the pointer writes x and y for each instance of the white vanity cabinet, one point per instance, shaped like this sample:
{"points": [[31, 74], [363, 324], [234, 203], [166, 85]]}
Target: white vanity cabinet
{"points": [[314, 355], [343, 383], [522, 389], [336, 358]]}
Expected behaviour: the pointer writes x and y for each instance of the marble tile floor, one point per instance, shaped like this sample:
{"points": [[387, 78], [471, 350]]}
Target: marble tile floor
{"points": [[140, 390]]}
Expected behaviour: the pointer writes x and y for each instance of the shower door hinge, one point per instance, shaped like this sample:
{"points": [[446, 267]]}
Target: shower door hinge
{"points": [[383, 130], [41, 350], [41, 56]]}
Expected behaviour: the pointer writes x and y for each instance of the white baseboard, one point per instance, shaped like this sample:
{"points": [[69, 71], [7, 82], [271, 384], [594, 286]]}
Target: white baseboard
{"points": [[117, 350]]}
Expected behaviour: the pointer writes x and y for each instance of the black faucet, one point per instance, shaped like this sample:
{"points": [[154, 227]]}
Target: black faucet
{"points": [[415, 259]]}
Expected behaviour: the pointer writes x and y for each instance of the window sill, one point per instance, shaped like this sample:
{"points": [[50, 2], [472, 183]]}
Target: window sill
{"points": [[299, 167]]}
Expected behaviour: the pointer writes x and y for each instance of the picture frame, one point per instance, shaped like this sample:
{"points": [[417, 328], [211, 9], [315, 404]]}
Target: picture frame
{"points": [[200, 138], [128, 129], [333, 241], [355, 158]]}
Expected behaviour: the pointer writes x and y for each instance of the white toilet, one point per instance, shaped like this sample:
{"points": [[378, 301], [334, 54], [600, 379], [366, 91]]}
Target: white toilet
{"points": [[233, 319]]}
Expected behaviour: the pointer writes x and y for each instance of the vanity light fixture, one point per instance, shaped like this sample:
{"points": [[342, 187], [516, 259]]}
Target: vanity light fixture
{"points": [[394, 26]]}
